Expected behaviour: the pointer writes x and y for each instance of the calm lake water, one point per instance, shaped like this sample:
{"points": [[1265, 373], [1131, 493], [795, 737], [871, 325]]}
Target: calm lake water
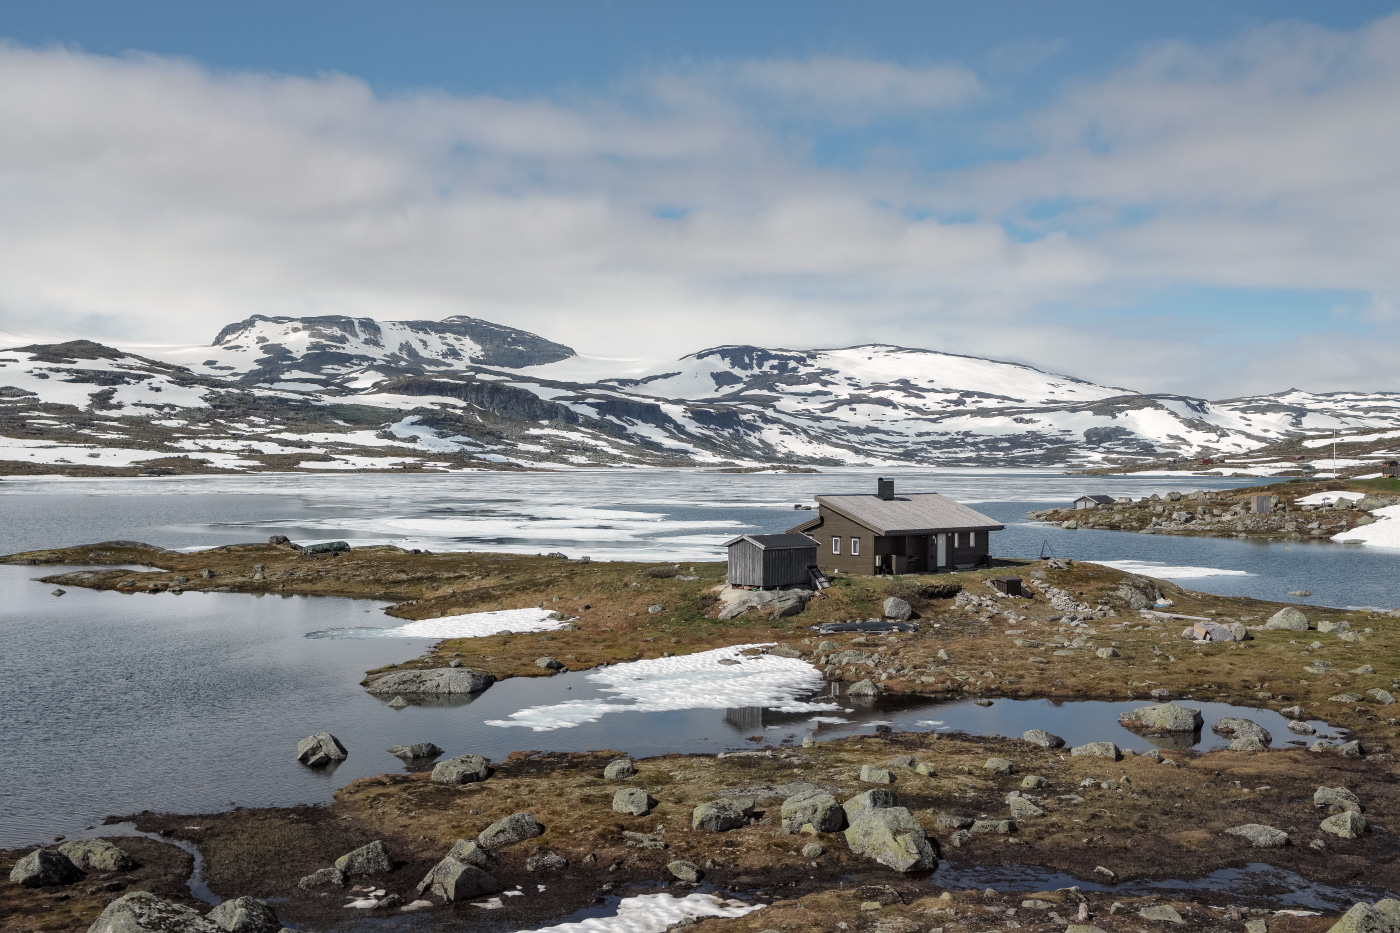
{"points": [[118, 703]]}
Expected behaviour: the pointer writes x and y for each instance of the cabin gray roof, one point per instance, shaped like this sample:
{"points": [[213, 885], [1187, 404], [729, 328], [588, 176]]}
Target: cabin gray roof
{"points": [[775, 542], [1098, 497], [914, 514]]}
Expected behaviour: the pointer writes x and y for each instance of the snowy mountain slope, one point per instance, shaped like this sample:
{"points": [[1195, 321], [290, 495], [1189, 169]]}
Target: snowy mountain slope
{"points": [[352, 393]]}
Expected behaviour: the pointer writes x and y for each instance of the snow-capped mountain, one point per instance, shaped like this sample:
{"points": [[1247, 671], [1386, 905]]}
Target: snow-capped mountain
{"points": [[353, 393]]}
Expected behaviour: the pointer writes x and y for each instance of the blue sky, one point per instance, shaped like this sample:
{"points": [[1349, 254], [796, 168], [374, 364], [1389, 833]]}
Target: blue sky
{"points": [[1195, 197]]}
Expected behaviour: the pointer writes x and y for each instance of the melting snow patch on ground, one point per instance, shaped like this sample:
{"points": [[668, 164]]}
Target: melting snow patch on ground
{"points": [[1153, 568], [1383, 532], [655, 913], [469, 625], [694, 681]]}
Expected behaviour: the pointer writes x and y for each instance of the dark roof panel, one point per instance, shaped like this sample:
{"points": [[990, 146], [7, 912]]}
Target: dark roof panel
{"points": [[917, 513], [776, 542]]}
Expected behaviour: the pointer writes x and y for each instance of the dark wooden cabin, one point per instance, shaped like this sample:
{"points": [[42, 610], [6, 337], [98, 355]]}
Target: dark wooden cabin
{"points": [[922, 532], [1391, 468], [1091, 500], [772, 560]]}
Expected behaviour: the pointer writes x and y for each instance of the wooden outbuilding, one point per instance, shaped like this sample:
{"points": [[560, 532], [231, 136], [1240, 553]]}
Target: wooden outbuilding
{"points": [[1089, 501], [1391, 468], [1011, 586], [920, 532], [772, 560]]}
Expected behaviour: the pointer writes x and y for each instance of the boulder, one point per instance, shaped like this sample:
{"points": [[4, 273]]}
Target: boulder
{"points": [[1371, 503], [546, 861], [1098, 750], [1215, 631], [43, 868], [1288, 619], [812, 850], [1242, 729], [369, 859], [682, 870], [1348, 825], [633, 801], [1043, 739], [1108, 653], [1383, 697], [1381, 917], [398, 703], [873, 775], [320, 750], [418, 751], [864, 688], [1249, 743], [619, 769], [436, 681], [1337, 800], [1024, 808], [901, 761], [1162, 717], [877, 799], [992, 827], [549, 664], [454, 880], [515, 828], [1259, 835], [892, 837], [464, 769], [471, 852], [97, 855], [143, 912], [776, 604], [897, 609], [814, 811], [719, 816], [1034, 782], [1161, 912], [322, 878], [1000, 766], [245, 915]]}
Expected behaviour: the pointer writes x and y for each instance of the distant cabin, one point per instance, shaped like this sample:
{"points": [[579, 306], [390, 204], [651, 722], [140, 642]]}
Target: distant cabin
{"points": [[1088, 502], [772, 560], [921, 532], [1391, 468]]}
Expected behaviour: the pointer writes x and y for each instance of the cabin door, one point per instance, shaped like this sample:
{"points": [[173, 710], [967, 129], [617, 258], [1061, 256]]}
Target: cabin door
{"points": [[942, 552]]}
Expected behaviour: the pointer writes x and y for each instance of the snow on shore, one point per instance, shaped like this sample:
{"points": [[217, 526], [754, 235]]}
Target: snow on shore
{"points": [[704, 680], [654, 913], [468, 625], [1383, 532], [1154, 568]]}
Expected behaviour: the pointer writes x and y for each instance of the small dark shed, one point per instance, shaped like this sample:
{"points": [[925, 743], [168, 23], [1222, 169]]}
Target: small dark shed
{"points": [[1011, 586], [771, 560], [1089, 501], [1391, 468]]}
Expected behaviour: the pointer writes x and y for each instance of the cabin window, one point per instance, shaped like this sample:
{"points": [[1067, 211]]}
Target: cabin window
{"points": [[836, 545], [855, 547], [957, 539], [972, 539]]}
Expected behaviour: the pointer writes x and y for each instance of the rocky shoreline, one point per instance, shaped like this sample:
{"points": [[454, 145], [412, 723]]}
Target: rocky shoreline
{"points": [[891, 813]]}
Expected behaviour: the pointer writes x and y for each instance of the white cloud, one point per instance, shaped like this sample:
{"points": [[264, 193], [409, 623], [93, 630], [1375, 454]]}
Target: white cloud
{"points": [[145, 198]]}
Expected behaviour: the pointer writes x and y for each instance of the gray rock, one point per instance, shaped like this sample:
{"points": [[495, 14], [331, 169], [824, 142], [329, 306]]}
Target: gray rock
{"points": [[1023, 808], [1108, 653], [897, 609], [1346, 698], [143, 912], [471, 852], [464, 769], [97, 855], [455, 880], [245, 915], [1043, 739], [1337, 800], [444, 681], [320, 750], [925, 769], [865, 688], [325, 877], [656, 609], [418, 751], [1348, 825], [633, 801], [876, 799], [1288, 619], [1034, 782], [549, 664], [369, 859], [815, 811], [1350, 749], [398, 703], [1161, 912], [1298, 727], [1000, 766], [1098, 750], [1382, 917], [43, 868], [992, 827], [515, 828], [872, 775], [1260, 836], [1241, 729], [619, 769], [1383, 697], [900, 761], [1371, 503], [546, 861], [682, 870], [953, 821], [718, 816], [1162, 717], [1249, 743], [812, 850], [892, 837]]}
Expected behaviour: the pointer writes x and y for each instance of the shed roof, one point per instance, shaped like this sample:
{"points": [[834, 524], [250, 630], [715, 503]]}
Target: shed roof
{"points": [[917, 513], [1098, 497], [786, 542]]}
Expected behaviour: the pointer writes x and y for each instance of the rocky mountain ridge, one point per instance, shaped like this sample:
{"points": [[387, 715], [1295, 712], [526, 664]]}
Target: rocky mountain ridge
{"points": [[345, 393]]}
